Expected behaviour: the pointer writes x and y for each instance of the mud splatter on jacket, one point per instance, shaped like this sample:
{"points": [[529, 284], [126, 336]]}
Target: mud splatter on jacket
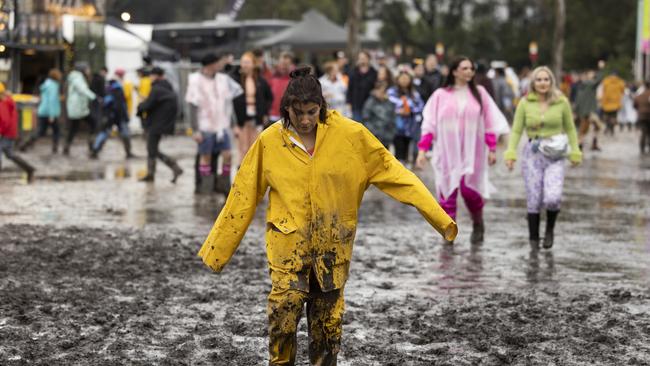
{"points": [[313, 201]]}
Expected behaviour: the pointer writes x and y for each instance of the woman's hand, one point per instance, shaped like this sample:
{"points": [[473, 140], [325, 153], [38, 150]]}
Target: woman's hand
{"points": [[575, 164], [510, 164], [421, 160], [492, 158], [198, 137]]}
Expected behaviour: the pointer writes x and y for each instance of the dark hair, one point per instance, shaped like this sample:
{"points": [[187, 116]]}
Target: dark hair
{"points": [[390, 80], [410, 88], [157, 71], [211, 58], [451, 80], [303, 87]]}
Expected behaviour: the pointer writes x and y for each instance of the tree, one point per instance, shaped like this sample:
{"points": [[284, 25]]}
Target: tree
{"points": [[354, 20], [558, 37]]}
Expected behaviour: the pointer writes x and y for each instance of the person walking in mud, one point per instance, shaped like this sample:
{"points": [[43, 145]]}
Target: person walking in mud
{"points": [[210, 94], [458, 122], [160, 108], [9, 133], [78, 101], [115, 112], [546, 116], [316, 165], [49, 111]]}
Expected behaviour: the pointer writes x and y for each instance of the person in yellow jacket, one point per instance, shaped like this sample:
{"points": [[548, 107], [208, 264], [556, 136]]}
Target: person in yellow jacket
{"points": [[127, 87], [316, 165], [611, 101]]}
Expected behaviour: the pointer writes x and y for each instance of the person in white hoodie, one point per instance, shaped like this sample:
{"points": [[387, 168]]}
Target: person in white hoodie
{"points": [[334, 89], [210, 94]]}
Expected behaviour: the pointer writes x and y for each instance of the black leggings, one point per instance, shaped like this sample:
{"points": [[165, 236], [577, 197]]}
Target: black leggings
{"points": [[74, 128], [402, 147]]}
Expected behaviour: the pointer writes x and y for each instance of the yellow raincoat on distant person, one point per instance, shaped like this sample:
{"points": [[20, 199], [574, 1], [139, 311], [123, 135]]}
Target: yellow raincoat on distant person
{"points": [[313, 201]]}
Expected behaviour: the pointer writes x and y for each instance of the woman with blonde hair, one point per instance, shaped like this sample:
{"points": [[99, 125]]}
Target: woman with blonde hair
{"points": [[546, 116], [251, 107]]}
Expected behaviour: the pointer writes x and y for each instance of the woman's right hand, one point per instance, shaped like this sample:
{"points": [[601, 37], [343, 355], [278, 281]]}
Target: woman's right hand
{"points": [[510, 164], [421, 160]]}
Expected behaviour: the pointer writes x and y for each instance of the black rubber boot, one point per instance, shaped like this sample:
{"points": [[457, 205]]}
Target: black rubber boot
{"points": [[151, 171], [27, 144], [127, 147], [533, 230], [551, 217], [171, 163], [28, 168], [478, 232]]}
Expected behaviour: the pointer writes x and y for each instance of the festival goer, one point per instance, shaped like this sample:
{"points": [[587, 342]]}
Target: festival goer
{"points": [[458, 121], [586, 105], [9, 132], [252, 107], [316, 165], [421, 85], [78, 101], [379, 115], [642, 105], [408, 109], [613, 91], [128, 88], [545, 115], [210, 94], [49, 111], [160, 107], [115, 113], [279, 81], [334, 88], [432, 74], [362, 81]]}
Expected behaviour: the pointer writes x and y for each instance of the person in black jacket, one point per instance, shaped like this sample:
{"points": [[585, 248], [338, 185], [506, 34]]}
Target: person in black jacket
{"points": [[161, 109], [115, 114], [362, 81], [252, 107]]}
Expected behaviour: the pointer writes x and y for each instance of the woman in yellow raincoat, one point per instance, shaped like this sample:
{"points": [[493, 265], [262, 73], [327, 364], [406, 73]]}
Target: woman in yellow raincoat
{"points": [[316, 165]]}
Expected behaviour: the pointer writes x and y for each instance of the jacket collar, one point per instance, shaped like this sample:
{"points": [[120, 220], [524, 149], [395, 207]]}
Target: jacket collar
{"points": [[291, 138]]}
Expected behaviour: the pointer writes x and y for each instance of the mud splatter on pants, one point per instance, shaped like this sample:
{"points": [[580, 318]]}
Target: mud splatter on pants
{"points": [[324, 322], [544, 179], [473, 201]]}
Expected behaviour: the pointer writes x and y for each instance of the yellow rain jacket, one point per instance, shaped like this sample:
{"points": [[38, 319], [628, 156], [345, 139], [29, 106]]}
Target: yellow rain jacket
{"points": [[613, 90], [313, 201]]}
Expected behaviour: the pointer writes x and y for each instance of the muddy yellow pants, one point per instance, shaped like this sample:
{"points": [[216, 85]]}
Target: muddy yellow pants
{"points": [[324, 315]]}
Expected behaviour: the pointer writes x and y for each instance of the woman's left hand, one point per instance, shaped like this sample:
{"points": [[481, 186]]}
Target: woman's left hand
{"points": [[492, 158], [575, 163]]}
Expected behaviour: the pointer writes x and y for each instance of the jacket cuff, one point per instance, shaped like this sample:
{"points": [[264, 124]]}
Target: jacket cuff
{"points": [[575, 156], [425, 142], [491, 141], [510, 155]]}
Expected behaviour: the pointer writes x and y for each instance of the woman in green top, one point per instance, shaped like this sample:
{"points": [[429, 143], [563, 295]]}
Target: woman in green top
{"points": [[545, 114]]}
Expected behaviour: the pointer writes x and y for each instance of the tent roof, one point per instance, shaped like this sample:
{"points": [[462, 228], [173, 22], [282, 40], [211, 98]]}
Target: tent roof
{"points": [[313, 32]]}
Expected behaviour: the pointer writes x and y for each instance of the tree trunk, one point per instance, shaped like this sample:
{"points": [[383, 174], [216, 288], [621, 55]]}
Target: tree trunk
{"points": [[354, 25], [558, 37]]}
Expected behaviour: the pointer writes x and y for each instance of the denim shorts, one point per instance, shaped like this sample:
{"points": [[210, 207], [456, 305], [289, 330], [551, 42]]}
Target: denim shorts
{"points": [[210, 145]]}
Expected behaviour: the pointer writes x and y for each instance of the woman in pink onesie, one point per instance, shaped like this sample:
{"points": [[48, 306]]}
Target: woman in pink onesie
{"points": [[458, 122]]}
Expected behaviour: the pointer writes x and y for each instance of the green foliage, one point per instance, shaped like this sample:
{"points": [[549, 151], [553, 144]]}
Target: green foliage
{"points": [[497, 29]]}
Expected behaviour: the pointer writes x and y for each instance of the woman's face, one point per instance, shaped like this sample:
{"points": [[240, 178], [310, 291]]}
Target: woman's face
{"points": [[304, 117], [382, 74], [247, 65], [404, 80], [542, 82], [464, 72], [334, 71]]}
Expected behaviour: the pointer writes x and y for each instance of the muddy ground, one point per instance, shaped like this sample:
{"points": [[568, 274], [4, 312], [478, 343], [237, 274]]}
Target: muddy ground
{"points": [[98, 269], [83, 296]]}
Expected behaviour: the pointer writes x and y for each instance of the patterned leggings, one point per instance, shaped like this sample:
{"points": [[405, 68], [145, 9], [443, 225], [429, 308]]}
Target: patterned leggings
{"points": [[544, 179]]}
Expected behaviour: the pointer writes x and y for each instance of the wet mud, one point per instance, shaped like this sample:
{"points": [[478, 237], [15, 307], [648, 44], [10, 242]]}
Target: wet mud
{"points": [[91, 296]]}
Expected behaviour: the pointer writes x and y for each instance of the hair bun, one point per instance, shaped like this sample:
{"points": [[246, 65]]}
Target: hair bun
{"points": [[301, 72]]}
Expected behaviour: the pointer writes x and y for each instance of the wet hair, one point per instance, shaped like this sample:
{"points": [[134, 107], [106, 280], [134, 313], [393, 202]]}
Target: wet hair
{"points": [[303, 87], [450, 80], [55, 74]]}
